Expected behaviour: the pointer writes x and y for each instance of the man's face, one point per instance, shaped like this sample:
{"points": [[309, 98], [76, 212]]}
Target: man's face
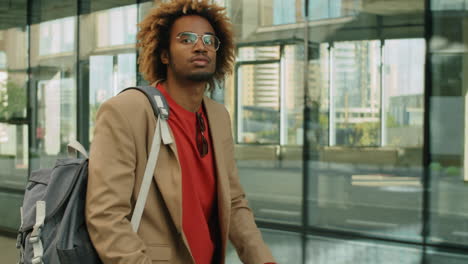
{"points": [[187, 61]]}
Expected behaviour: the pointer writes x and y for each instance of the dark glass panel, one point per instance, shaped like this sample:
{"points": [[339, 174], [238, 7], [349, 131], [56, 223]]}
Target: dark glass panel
{"points": [[327, 250], [107, 56], [366, 80], [53, 80], [14, 142], [448, 124]]}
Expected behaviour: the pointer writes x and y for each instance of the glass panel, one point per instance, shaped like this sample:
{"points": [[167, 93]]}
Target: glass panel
{"points": [[449, 126], [318, 79], [13, 62], [13, 155], [53, 82], [292, 97], [321, 250], [403, 82], [144, 8], [449, 5], [14, 142], [266, 21], [258, 113], [438, 256], [366, 88], [356, 93], [13, 76], [259, 53], [266, 97], [47, 10], [108, 58], [97, 5], [116, 26], [323, 9], [286, 247], [278, 12]]}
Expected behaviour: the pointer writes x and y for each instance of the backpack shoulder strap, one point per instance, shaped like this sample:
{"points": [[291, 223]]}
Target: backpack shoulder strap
{"points": [[161, 133], [156, 99]]}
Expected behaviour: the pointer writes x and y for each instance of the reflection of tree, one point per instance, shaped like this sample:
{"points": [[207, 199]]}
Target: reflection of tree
{"points": [[12, 100], [263, 122], [360, 134], [267, 136], [368, 134], [391, 121]]}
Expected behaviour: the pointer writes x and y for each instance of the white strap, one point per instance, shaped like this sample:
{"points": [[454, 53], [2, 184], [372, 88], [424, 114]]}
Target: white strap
{"points": [[160, 105], [35, 238], [21, 214], [19, 239], [75, 146], [149, 171], [165, 133]]}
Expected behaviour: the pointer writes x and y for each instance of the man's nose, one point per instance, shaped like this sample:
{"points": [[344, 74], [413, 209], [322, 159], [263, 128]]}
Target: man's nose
{"points": [[199, 46]]}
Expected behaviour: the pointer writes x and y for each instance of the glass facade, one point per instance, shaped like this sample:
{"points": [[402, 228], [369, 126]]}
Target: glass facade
{"points": [[53, 80], [349, 116]]}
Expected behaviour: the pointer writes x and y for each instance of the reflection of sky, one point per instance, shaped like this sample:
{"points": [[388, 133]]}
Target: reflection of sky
{"points": [[100, 78], [3, 78], [117, 26], [320, 9], [449, 4], [406, 58], [107, 79], [57, 36], [284, 12], [3, 135], [3, 60]]}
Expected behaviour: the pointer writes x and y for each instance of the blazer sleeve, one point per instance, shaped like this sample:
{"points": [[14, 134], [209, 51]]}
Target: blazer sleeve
{"points": [[111, 179], [243, 232]]}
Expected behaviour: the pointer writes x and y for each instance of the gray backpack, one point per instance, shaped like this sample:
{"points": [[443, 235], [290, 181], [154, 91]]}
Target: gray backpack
{"points": [[53, 228]]}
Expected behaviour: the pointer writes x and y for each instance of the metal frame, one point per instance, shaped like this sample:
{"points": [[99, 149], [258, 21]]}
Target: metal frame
{"points": [[306, 145], [82, 98], [427, 132], [236, 92]]}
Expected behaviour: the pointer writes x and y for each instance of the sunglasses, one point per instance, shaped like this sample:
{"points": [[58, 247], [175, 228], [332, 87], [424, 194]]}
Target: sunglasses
{"points": [[190, 39], [202, 143]]}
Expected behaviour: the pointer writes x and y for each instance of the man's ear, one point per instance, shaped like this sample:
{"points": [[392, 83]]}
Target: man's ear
{"points": [[165, 57]]}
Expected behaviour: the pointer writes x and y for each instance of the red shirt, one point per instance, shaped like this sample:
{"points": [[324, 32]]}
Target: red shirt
{"points": [[199, 203]]}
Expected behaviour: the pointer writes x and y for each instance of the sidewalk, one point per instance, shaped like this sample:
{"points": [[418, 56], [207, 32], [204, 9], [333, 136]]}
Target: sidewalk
{"points": [[8, 251]]}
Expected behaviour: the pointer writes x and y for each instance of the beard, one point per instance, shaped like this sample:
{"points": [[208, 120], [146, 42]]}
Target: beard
{"points": [[200, 76]]}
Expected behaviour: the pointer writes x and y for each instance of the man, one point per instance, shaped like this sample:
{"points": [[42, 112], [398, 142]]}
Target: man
{"points": [[195, 202]]}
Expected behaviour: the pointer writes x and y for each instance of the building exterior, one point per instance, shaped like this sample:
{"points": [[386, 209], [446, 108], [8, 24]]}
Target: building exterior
{"points": [[349, 116]]}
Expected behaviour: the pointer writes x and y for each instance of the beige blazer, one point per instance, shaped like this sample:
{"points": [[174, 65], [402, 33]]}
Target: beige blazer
{"points": [[122, 139]]}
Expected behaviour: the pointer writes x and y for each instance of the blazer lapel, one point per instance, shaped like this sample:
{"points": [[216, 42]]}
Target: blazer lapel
{"points": [[168, 177], [216, 132]]}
